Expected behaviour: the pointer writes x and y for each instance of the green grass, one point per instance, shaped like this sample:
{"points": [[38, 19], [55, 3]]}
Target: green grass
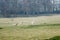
{"points": [[31, 32], [55, 38], [46, 29], [42, 26]]}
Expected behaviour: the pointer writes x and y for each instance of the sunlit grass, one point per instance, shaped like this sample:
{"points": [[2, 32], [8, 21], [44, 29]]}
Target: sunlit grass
{"points": [[44, 28], [32, 32]]}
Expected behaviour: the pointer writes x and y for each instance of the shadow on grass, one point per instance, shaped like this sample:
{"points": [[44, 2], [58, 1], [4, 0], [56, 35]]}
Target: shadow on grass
{"points": [[1, 28], [55, 38], [37, 26]]}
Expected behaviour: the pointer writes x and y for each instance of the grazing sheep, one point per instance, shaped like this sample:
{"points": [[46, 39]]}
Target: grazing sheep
{"points": [[33, 21]]}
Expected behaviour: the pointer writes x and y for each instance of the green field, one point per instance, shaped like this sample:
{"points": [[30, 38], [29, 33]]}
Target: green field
{"points": [[45, 27], [32, 32]]}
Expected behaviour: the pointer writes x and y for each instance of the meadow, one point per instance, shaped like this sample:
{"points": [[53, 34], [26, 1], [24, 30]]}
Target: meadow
{"points": [[30, 28]]}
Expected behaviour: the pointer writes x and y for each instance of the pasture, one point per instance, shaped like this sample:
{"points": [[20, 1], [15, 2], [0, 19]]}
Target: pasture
{"points": [[30, 28]]}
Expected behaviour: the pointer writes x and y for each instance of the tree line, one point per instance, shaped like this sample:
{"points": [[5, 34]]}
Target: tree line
{"points": [[10, 8]]}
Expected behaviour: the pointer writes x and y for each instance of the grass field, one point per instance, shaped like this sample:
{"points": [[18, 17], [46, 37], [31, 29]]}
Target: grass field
{"points": [[43, 28]]}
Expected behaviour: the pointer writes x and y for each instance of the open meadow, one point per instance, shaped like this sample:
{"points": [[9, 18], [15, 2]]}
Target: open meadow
{"points": [[30, 28]]}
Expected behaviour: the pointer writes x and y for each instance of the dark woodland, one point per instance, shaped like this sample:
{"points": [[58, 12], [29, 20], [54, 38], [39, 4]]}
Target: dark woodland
{"points": [[17, 8]]}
